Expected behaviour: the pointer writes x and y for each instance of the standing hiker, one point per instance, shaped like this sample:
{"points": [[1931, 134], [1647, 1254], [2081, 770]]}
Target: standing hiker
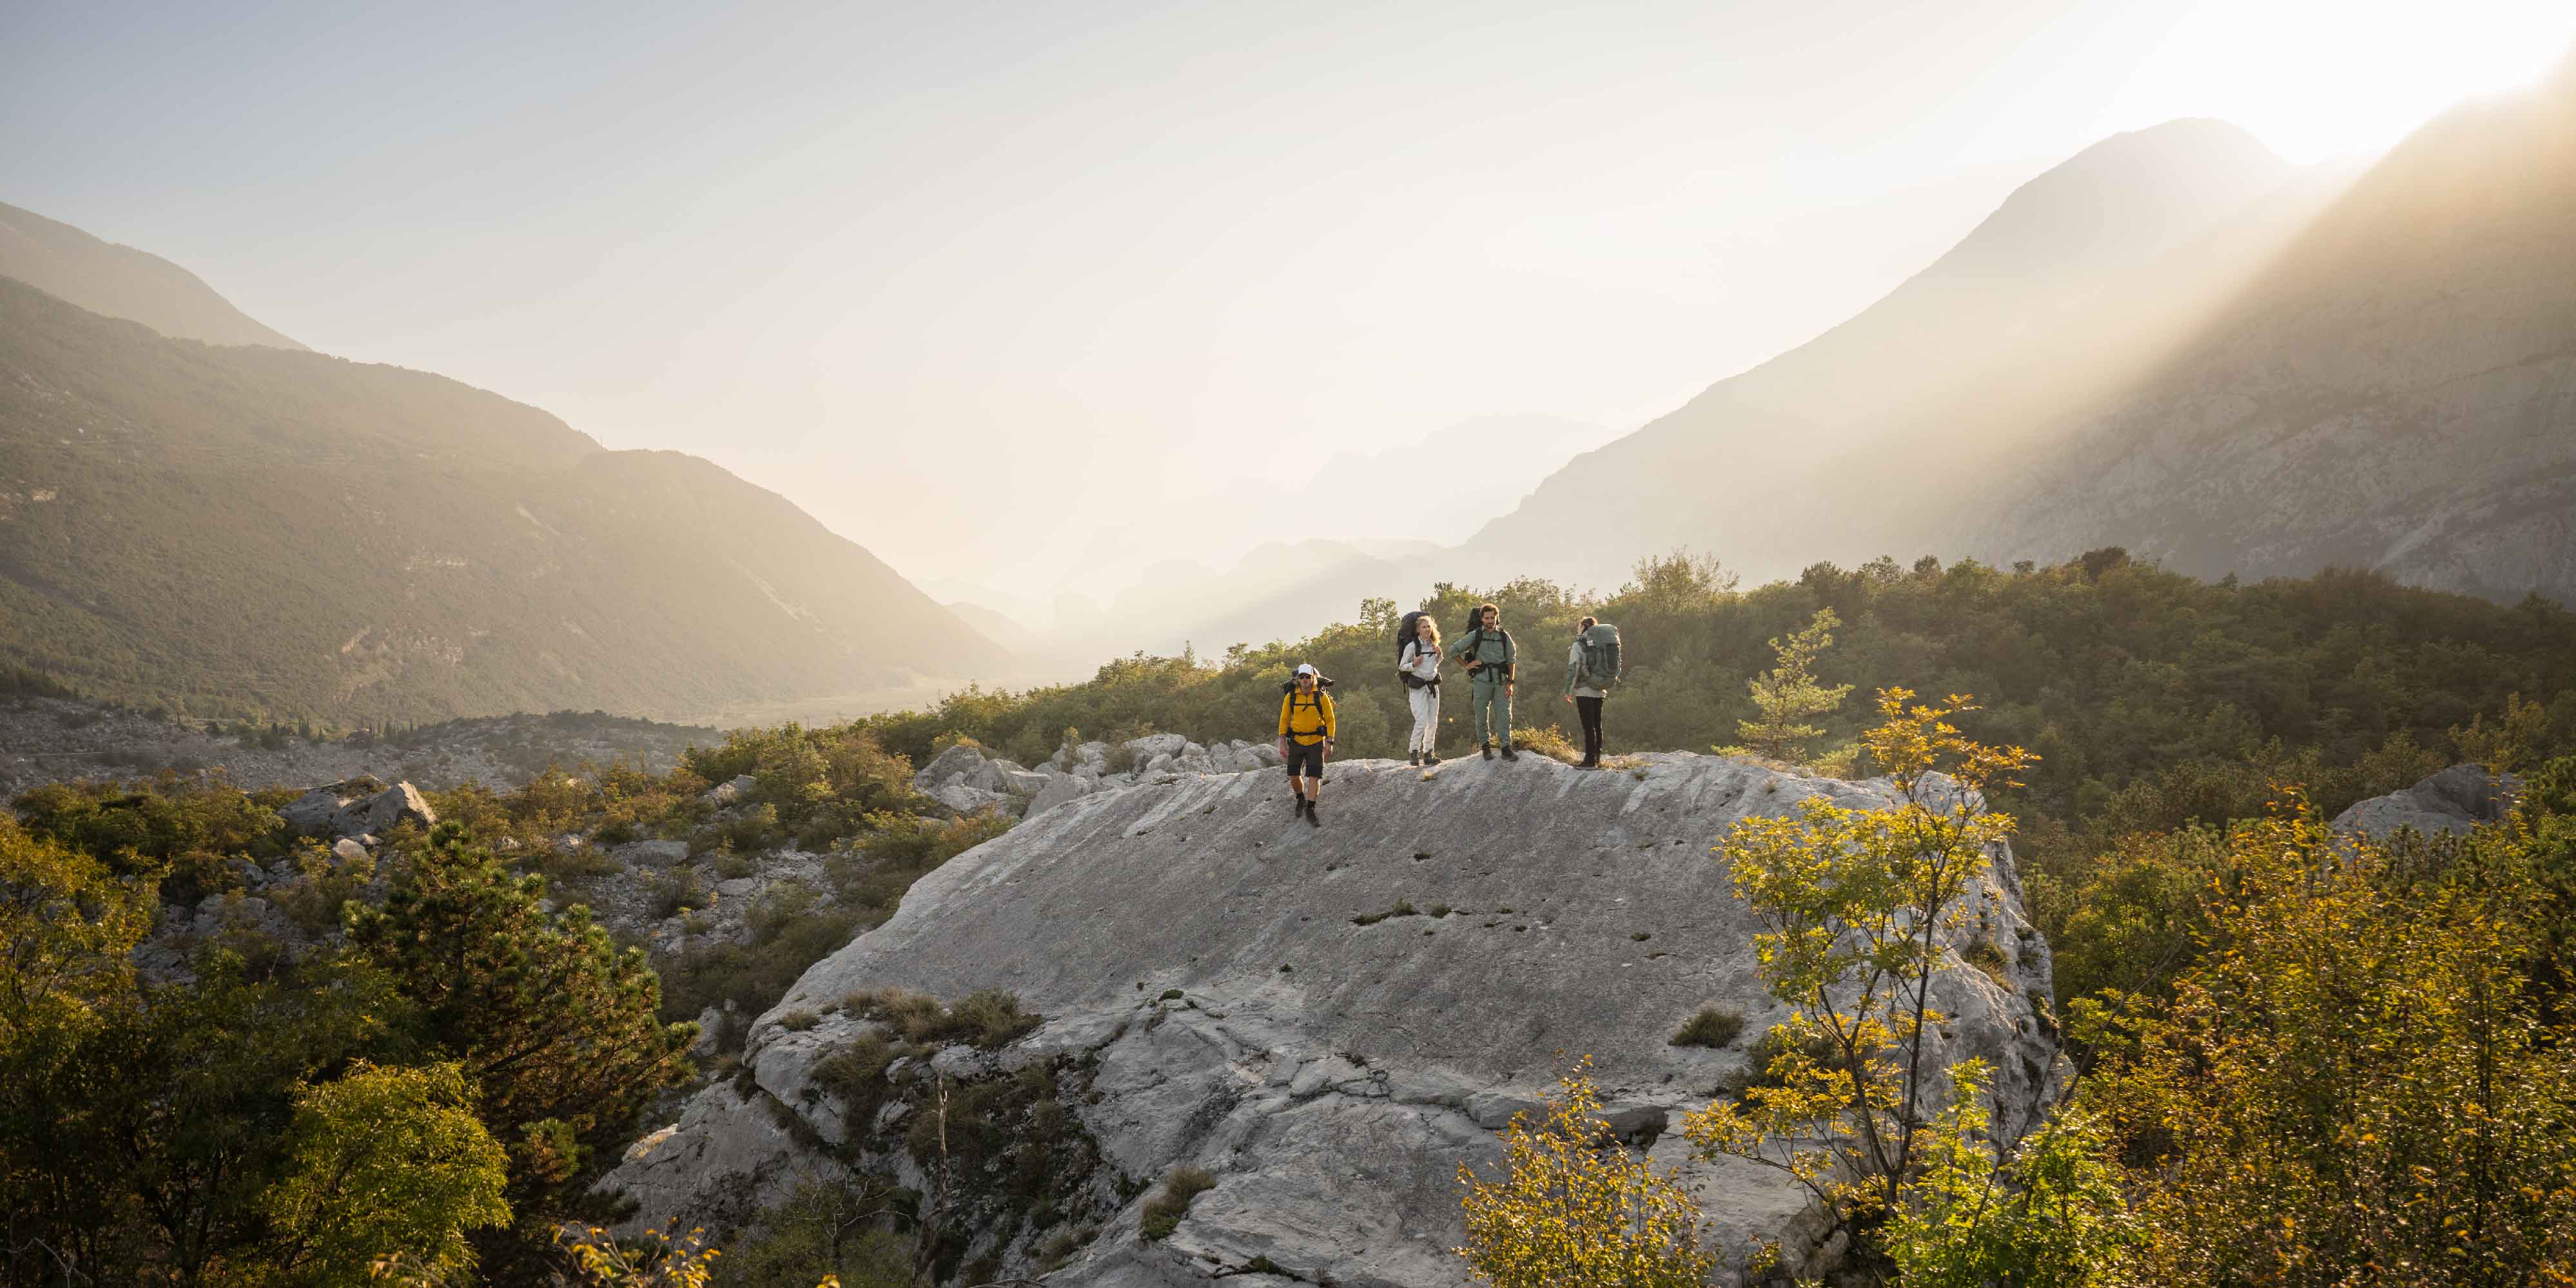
{"points": [[1305, 735], [1491, 664], [1591, 667], [1417, 660]]}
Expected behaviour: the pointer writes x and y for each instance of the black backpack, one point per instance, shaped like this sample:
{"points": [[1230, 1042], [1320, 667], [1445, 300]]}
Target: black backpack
{"points": [[1404, 632], [1322, 682], [1508, 646]]}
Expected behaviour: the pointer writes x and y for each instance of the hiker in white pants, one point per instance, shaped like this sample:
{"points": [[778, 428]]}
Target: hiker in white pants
{"points": [[1419, 664]]}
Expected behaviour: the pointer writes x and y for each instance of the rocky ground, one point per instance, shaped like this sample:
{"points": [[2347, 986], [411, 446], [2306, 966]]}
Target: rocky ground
{"points": [[1329, 1021], [60, 740], [964, 779]]}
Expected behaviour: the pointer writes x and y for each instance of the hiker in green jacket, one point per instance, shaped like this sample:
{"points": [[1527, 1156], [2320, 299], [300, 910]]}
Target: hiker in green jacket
{"points": [[1487, 654]]}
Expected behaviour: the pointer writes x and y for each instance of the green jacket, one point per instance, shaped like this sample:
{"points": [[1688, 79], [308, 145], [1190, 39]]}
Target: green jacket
{"points": [[1497, 651]]}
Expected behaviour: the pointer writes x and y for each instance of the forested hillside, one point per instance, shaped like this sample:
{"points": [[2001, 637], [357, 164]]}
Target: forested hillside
{"points": [[284, 535], [2152, 698]]}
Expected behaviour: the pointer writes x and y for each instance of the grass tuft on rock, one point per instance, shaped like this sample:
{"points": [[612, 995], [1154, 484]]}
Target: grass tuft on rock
{"points": [[1162, 1213], [1713, 1027], [990, 1019], [1403, 908]]}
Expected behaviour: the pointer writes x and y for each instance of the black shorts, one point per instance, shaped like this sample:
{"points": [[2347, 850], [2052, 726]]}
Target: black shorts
{"points": [[1310, 755]]}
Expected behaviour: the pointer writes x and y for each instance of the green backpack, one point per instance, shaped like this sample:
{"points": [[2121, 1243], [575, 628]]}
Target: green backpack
{"points": [[1601, 655]]}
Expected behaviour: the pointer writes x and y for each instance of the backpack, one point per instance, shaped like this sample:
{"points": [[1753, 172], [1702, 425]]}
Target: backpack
{"points": [[1601, 655], [1509, 648], [1322, 682], [1404, 632]]}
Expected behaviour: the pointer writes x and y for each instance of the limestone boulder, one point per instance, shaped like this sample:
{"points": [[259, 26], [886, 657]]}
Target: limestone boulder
{"points": [[357, 807], [729, 791], [1062, 789], [964, 758], [654, 854], [2446, 804]]}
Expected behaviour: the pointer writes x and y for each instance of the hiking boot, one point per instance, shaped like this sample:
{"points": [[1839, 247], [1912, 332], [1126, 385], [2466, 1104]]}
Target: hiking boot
{"points": [[1416, 762], [1430, 759], [1509, 754], [1296, 806], [1311, 820], [1489, 751]]}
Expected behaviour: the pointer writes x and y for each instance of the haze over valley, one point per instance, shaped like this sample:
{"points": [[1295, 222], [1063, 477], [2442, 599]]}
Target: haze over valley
{"points": [[1099, 645]]}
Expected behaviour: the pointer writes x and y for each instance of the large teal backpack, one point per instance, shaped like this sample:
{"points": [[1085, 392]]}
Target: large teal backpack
{"points": [[1601, 655]]}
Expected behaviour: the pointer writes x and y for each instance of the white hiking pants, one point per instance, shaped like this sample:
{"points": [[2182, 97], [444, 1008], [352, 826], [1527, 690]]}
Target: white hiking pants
{"points": [[1426, 718]]}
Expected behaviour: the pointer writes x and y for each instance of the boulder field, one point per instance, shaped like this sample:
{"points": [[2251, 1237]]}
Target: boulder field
{"points": [[1327, 1021]]}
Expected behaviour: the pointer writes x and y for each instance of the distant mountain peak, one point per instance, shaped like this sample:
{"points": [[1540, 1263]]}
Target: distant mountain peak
{"points": [[2143, 189], [122, 282]]}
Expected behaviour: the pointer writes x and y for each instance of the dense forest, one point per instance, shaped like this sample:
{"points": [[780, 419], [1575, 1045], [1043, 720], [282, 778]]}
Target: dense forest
{"points": [[452, 1048]]}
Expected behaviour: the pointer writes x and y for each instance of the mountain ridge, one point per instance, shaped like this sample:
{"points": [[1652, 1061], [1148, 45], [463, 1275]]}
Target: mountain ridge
{"points": [[239, 530], [119, 281], [2395, 391]]}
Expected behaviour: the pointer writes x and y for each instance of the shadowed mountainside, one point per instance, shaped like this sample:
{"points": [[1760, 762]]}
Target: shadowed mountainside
{"points": [[1810, 455], [259, 531], [2397, 391]]}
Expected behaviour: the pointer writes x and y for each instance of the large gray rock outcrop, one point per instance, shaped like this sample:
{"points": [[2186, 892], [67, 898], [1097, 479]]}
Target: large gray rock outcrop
{"points": [[1331, 1020], [357, 807], [2446, 804]]}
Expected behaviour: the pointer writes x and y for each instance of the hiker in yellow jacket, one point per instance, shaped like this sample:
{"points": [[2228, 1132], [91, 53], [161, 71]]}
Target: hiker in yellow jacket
{"points": [[1305, 735]]}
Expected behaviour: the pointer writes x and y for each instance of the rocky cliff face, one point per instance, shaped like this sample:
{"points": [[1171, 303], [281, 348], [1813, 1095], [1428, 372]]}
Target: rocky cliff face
{"points": [[1329, 1021]]}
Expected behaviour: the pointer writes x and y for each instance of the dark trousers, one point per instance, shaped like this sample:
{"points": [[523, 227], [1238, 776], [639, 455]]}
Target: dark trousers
{"points": [[1590, 710]]}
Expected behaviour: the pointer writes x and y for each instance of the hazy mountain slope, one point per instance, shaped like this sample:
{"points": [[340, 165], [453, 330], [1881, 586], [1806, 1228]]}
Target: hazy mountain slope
{"points": [[121, 282], [2396, 391], [1986, 337], [259, 530]]}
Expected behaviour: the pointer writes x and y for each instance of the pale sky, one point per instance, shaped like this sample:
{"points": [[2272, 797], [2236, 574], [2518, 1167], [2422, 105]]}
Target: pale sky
{"points": [[971, 281]]}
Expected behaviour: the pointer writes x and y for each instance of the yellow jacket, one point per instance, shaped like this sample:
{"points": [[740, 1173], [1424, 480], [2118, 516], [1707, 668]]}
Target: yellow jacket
{"points": [[1303, 720]]}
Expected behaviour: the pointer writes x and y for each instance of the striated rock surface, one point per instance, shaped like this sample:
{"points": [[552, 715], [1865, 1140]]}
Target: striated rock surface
{"points": [[1328, 1020], [965, 781]]}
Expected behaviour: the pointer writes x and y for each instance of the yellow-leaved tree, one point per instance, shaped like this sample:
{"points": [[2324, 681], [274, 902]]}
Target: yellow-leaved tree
{"points": [[1572, 1206], [1860, 909]]}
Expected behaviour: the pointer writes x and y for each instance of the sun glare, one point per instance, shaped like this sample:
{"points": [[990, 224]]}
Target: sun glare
{"points": [[2320, 78]]}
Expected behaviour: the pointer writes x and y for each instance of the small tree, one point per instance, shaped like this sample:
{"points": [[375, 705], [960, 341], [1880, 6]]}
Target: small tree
{"points": [[1861, 910], [554, 1024], [1788, 696], [1573, 1207]]}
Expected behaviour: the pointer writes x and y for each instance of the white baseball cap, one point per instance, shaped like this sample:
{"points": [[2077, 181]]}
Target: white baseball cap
{"points": [[1307, 668]]}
